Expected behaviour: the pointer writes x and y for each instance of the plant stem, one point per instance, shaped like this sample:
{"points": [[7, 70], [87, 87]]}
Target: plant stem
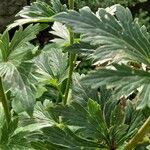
{"points": [[3, 99], [71, 68], [72, 58], [60, 95], [139, 136]]}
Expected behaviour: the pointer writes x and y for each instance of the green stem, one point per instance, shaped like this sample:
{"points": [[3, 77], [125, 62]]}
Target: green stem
{"points": [[4, 101], [71, 68], [139, 136], [60, 95], [72, 58]]}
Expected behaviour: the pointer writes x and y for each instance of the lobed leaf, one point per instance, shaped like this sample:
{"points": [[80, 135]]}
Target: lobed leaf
{"points": [[115, 33], [124, 79], [14, 54], [39, 11], [52, 65]]}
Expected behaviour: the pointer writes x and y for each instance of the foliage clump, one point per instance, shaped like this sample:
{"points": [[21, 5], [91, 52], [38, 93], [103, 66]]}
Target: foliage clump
{"points": [[45, 104]]}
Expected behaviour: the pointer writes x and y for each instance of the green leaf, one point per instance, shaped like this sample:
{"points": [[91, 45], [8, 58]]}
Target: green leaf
{"points": [[44, 117], [18, 138], [4, 45], [22, 36], [104, 125], [117, 36], [24, 130], [62, 34], [46, 145], [12, 137], [57, 6], [82, 93], [55, 135], [38, 12], [145, 97], [115, 33], [14, 56], [62, 137], [133, 118], [52, 65], [95, 117], [125, 80], [81, 48]]}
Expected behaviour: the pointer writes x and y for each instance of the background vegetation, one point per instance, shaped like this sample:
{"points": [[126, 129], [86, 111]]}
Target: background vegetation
{"points": [[46, 102]]}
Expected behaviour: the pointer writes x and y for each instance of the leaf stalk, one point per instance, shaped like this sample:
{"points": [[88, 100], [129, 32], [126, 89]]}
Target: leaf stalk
{"points": [[72, 58]]}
